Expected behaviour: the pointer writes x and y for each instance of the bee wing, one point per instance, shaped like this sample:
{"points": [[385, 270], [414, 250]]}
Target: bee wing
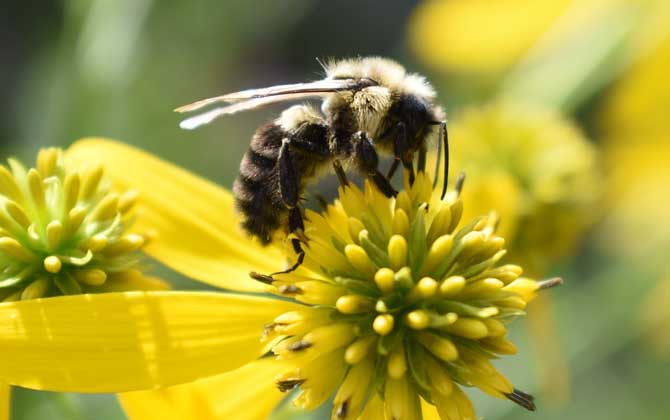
{"points": [[285, 92], [209, 116]]}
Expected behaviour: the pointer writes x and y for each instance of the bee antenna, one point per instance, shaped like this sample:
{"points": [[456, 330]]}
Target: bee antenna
{"points": [[436, 177], [442, 143]]}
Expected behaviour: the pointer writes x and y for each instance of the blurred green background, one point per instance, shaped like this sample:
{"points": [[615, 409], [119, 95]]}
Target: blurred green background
{"points": [[116, 68]]}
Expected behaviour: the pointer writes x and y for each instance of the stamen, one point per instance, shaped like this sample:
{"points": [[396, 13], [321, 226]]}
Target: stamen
{"points": [[383, 324], [441, 347], [385, 279], [353, 304], [397, 365], [359, 349], [417, 319], [549, 283], [397, 250], [526, 401], [473, 329], [299, 345], [52, 264], [289, 384], [452, 286]]}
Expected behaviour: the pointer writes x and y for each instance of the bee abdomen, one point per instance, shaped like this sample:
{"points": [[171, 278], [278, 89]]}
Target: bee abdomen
{"points": [[256, 187]]}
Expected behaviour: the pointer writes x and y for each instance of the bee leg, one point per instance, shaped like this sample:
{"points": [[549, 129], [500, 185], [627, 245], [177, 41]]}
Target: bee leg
{"points": [[421, 161], [289, 187], [341, 175], [401, 149], [393, 168], [295, 225], [367, 159]]}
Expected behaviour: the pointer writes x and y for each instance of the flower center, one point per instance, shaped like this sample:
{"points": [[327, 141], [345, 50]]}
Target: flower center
{"points": [[401, 303], [62, 231]]}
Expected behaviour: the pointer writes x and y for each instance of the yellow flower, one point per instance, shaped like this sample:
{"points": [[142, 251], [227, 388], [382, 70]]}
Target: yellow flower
{"points": [[396, 301], [65, 231], [637, 156], [636, 108], [536, 169], [490, 36]]}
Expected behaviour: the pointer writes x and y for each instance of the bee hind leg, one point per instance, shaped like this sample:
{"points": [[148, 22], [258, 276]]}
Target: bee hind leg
{"points": [[289, 188]]}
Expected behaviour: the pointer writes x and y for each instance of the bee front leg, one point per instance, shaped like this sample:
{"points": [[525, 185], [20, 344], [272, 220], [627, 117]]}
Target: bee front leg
{"points": [[401, 149], [367, 160]]}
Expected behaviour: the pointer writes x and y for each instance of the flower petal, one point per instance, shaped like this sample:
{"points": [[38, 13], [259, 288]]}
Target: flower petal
{"points": [[429, 411], [116, 342], [374, 409], [248, 393], [5, 395], [193, 220]]}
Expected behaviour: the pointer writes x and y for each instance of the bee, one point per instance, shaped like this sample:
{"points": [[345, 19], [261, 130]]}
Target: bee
{"points": [[369, 106]]}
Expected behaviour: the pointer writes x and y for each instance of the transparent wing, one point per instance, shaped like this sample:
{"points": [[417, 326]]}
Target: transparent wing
{"points": [[285, 92], [209, 116]]}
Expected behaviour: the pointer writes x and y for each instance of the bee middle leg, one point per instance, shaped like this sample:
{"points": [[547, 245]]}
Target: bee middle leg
{"points": [[401, 148], [367, 159]]}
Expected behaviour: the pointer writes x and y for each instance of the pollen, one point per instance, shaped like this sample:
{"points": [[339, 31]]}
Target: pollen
{"points": [[403, 299], [62, 231]]}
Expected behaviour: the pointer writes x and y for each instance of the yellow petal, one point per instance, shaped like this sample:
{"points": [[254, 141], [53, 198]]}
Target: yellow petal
{"points": [[192, 222], [174, 403], [248, 393], [130, 280], [429, 411], [441, 32], [116, 342], [374, 409], [5, 394]]}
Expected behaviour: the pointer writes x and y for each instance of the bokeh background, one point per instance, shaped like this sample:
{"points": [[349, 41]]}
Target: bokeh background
{"points": [[558, 112]]}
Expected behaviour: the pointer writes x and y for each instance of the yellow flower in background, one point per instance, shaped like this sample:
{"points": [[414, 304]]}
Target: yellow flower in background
{"points": [[491, 36], [636, 131], [635, 226], [536, 169], [636, 109], [395, 298], [479, 35]]}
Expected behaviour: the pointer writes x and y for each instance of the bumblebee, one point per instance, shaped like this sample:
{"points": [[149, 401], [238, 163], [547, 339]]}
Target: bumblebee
{"points": [[369, 106]]}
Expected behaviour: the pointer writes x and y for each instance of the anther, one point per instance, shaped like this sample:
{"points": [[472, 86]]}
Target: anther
{"points": [[289, 384], [549, 283], [459, 183], [383, 324], [342, 410], [92, 277], [300, 345], [417, 319], [263, 278], [52, 264], [359, 349], [426, 288], [384, 279], [451, 286], [441, 347], [397, 364], [353, 304], [526, 401], [397, 251]]}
